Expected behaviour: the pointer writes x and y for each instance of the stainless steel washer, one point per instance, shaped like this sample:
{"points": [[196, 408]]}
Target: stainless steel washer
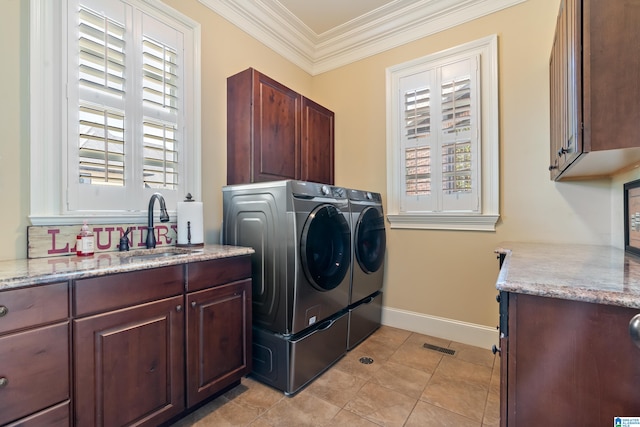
{"points": [[302, 238], [301, 235]]}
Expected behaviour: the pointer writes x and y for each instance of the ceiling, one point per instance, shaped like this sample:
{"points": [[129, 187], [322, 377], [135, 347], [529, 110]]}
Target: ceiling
{"points": [[321, 35], [322, 16]]}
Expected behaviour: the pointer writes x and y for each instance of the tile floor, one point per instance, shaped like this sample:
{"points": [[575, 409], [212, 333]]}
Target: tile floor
{"points": [[406, 385]]}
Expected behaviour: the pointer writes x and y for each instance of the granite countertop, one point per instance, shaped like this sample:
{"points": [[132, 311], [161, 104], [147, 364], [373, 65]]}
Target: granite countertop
{"points": [[598, 274], [26, 272]]}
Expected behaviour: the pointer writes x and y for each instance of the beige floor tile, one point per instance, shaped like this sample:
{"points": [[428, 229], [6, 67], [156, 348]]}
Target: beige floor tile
{"points": [[378, 347], [460, 387], [477, 355], [381, 405], [254, 395], [303, 409], [352, 365], [491, 416], [196, 417], [393, 336], [412, 353], [402, 378], [229, 415], [456, 396], [405, 385], [336, 386], [349, 419], [427, 415]]}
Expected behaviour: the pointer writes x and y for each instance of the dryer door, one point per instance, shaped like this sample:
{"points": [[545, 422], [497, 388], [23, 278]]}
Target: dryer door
{"points": [[325, 247], [370, 240]]}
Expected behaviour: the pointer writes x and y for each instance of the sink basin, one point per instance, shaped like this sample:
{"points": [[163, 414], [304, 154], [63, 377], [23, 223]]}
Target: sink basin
{"points": [[151, 254]]}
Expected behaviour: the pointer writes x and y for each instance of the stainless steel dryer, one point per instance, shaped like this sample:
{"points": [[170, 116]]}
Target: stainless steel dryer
{"points": [[301, 235], [367, 267]]}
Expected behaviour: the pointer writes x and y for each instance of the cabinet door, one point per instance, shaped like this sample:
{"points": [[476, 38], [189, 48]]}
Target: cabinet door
{"points": [[276, 131], [218, 338], [34, 370], [317, 143], [129, 367], [574, 359], [565, 75]]}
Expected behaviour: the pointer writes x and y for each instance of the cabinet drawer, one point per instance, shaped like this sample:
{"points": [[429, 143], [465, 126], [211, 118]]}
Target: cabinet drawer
{"points": [[56, 416], [205, 274], [35, 368], [115, 291], [33, 306]]}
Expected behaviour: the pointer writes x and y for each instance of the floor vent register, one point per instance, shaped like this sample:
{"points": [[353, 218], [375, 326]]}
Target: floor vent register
{"points": [[440, 349]]}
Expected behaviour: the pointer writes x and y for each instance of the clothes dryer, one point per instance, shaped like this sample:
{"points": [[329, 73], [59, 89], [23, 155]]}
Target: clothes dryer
{"points": [[369, 243], [301, 235], [367, 267]]}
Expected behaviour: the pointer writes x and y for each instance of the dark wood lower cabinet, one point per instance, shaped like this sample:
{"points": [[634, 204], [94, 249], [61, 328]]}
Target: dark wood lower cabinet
{"points": [[129, 365], [129, 348], [34, 370], [55, 416], [218, 338], [568, 363]]}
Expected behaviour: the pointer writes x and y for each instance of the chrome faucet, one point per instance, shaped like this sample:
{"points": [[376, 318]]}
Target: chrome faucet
{"points": [[164, 217]]}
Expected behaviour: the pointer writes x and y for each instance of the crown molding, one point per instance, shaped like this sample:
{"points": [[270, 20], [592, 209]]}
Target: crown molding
{"points": [[390, 26]]}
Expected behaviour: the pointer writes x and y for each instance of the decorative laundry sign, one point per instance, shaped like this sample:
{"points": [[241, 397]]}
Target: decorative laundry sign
{"points": [[60, 240]]}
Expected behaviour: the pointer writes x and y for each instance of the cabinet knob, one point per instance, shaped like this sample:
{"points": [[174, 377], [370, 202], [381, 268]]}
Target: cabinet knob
{"points": [[495, 349], [193, 304], [179, 308], [3, 382], [3, 310], [634, 330]]}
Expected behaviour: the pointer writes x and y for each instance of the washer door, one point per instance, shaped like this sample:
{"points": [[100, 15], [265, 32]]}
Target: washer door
{"points": [[325, 247], [370, 240]]}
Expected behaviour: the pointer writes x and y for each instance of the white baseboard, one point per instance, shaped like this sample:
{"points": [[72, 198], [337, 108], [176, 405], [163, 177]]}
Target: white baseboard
{"points": [[440, 327]]}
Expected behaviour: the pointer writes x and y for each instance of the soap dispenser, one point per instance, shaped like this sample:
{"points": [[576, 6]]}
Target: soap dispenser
{"points": [[84, 241]]}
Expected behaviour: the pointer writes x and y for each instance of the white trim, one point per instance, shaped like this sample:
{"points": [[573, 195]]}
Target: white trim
{"points": [[392, 25], [475, 222], [440, 327], [489, 150]]}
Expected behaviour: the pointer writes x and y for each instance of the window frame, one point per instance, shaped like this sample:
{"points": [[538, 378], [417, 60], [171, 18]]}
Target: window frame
{"points": [[488, 214], [48, 117]]}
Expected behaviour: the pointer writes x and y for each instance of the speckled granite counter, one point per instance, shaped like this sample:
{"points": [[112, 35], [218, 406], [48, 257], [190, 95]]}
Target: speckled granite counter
{"points": [[26, 272], [599, 274]]}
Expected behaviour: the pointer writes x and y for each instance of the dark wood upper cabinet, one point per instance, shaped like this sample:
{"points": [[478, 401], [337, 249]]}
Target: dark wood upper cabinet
{"points": [[275, 133], [595, 89]]}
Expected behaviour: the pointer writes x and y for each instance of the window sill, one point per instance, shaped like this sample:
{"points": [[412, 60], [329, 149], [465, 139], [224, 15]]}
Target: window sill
{"points": [[471, 222], [94, 218]]}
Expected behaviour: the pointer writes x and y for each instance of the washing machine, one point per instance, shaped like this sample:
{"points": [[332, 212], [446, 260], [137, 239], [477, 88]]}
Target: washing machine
{"points": [[301, 235], [367, 267], [301, 274]]}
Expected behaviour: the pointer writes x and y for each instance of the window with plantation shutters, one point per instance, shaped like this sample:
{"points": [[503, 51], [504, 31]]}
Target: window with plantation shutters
{"points": [[442, 116], [115, 109], [127, 131]]}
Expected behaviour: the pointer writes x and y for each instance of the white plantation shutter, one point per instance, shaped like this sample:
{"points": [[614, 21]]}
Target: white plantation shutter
{"points": [[417, 129], [160, 163], [125, 107], [101, 80], [459, 136], [160, 90], [439, 138]]}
